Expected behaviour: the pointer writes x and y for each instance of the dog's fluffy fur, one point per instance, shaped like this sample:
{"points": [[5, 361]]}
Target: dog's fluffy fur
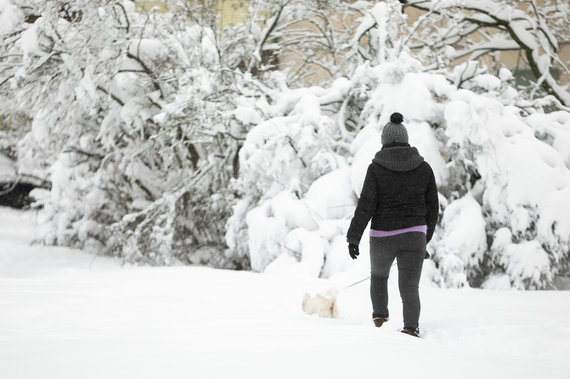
{"points": [[321, 305]]}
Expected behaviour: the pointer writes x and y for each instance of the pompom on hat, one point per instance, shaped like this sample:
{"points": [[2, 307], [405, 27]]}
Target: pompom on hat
{"points": [[394, 131]]}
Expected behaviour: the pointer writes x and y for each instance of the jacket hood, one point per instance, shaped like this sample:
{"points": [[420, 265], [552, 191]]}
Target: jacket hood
{"points": [[401, 157]]}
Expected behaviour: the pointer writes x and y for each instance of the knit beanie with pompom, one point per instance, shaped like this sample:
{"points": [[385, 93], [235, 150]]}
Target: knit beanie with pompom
{"points": [[394, 131]]}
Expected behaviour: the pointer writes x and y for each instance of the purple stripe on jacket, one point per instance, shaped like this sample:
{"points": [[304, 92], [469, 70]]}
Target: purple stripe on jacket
{"points": [[387, 233]]}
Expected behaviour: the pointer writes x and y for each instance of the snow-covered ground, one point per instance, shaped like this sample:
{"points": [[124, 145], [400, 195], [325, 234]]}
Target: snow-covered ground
{"points": [[66, 314]]}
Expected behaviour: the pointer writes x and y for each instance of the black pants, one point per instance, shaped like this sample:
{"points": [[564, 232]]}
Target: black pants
{"points": [[409, 251]]}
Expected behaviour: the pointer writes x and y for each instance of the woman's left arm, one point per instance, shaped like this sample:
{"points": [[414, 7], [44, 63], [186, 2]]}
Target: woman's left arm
{"points": [[432, 206], [365, 208]]}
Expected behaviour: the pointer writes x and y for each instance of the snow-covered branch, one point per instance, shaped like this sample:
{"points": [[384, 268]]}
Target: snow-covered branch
{"points": [[511, 27]]}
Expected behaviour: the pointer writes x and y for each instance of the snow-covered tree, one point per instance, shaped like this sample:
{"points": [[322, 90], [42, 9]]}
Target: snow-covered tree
{"points": [[134, 117], [451, 30], [503, 174], [125, 109], [164, 133], [297, 37]]}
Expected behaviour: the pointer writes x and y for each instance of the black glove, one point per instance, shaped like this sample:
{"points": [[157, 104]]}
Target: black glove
{"points": [[353, 250]]}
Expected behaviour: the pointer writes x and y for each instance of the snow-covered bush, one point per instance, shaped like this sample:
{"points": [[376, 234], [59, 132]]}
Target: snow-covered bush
{"points": [[499, 170], [162, 137], [137, 118], [131, 116]]}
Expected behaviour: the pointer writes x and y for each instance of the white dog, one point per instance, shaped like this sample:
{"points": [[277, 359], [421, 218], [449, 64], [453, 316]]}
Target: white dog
{"points": [[321, 305]]}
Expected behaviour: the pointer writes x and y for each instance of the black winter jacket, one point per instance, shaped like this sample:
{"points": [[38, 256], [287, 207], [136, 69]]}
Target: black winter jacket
{"points": [[399, 191]]}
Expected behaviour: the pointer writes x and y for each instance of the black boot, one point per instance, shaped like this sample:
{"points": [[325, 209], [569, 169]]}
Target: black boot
{"points": [[412, 332], [378, 321]]}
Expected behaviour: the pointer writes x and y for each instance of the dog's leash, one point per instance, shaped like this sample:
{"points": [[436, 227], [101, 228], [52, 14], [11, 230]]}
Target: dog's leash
{"points": [[358, 282], [355, 283]]}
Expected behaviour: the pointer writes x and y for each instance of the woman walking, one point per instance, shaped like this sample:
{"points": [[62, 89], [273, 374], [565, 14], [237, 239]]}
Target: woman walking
{"points": [[400, 196]]}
